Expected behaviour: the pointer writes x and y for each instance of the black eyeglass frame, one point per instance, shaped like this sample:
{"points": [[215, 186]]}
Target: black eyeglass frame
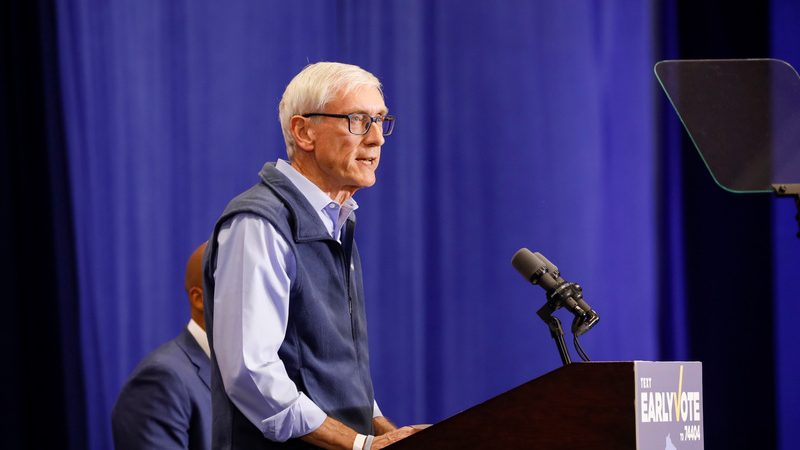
{"points": [[388, 119]]}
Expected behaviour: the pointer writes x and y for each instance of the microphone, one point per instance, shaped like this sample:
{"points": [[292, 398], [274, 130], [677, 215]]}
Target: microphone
{"points": [[538, 270], [557, 275]]}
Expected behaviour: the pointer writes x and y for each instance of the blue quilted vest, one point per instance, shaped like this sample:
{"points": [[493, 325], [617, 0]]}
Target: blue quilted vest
{"points": [[325, 349]]}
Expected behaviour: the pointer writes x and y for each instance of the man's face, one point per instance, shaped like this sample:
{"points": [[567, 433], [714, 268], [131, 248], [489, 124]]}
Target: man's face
{"points": [[347, 161]]}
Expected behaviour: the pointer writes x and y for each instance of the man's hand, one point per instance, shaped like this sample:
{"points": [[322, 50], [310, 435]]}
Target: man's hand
{"points": [[332, 435], [392, 437], [382, 425]]}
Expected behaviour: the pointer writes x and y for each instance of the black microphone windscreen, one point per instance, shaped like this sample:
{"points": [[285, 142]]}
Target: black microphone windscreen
{"points": [[550, 266], [527, 264]]}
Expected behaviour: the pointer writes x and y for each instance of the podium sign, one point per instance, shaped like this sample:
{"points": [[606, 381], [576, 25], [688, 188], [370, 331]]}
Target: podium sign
{"points": [[669, 405]]}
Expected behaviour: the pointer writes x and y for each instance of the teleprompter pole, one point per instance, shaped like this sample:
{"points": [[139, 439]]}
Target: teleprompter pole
{"points": [[790, 190]]}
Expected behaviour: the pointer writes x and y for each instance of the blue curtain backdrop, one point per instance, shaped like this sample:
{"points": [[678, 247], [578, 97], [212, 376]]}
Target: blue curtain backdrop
{"points": [[520, 124], [38, 341], [785, 33]]}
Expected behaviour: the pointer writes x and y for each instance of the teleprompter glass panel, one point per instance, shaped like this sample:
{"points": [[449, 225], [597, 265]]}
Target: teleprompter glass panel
{"points": [[742, 115]]}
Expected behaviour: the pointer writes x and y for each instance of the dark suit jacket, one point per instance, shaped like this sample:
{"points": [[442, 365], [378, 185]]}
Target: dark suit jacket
{"points": [[166, 403]]}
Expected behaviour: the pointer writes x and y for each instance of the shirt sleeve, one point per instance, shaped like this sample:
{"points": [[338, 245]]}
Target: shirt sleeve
{"points": [[255, 268]]}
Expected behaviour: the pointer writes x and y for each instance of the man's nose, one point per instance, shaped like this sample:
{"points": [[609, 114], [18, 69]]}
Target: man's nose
{"points": [[374, 135]]}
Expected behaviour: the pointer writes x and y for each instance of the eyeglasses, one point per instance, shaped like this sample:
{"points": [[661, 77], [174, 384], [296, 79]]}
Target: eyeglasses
{"points": [[359, 123]]}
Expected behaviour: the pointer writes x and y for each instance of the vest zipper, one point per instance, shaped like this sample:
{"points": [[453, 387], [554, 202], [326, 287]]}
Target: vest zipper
{"points": [[347, 277]]}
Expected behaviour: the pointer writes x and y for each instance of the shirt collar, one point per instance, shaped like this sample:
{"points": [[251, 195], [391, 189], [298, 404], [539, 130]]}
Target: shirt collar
{"points": [[200, 336], [319, 200]]}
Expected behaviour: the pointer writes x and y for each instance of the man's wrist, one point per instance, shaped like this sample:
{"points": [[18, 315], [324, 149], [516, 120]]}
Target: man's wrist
{"points": [[363, 442], [358, 444]]}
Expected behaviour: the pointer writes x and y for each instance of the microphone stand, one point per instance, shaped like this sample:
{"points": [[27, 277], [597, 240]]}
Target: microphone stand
{"points": [[557, 333]]}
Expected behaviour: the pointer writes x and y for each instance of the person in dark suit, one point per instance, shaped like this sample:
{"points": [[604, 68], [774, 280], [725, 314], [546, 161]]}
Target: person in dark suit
{"points": [[166, 403]]}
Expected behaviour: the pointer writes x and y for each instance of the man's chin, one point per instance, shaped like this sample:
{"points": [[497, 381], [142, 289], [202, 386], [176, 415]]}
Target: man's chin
{"points": [[366, 179], [361, 184]]}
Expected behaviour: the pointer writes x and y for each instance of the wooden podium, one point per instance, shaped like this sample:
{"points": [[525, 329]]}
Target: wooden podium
{"points": [[579, 406]]}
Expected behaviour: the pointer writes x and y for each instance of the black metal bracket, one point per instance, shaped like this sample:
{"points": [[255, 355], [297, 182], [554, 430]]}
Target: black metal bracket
{"points": [[556, 331], [790, 190]]}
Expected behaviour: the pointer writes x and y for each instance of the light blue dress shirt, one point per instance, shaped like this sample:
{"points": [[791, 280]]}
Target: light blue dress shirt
{"points": [[255, 271]]}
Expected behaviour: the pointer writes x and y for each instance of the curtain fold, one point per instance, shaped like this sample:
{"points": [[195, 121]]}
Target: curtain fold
{"points": [[40, 348]]}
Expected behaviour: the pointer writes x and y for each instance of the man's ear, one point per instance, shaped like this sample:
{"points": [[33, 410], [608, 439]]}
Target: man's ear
{"points": [[302, 133], [196, 297]]}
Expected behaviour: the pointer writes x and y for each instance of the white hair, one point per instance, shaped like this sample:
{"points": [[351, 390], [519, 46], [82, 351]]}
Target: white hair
{"points": [[312, 89]]}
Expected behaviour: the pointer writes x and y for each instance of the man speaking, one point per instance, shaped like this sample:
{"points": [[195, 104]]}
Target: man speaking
{"points": [[284, 294]]}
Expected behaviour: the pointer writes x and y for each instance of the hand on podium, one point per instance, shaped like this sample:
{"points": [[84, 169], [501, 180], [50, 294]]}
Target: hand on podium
{"points": [[387, 433], [392, 436]]}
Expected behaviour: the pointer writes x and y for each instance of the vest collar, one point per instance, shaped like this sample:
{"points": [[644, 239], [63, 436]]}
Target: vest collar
{"points": [[306, 225]]}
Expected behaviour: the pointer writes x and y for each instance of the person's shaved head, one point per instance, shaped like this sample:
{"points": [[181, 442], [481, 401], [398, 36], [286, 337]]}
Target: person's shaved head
{"points": [[193, 283], [194, 269]]}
